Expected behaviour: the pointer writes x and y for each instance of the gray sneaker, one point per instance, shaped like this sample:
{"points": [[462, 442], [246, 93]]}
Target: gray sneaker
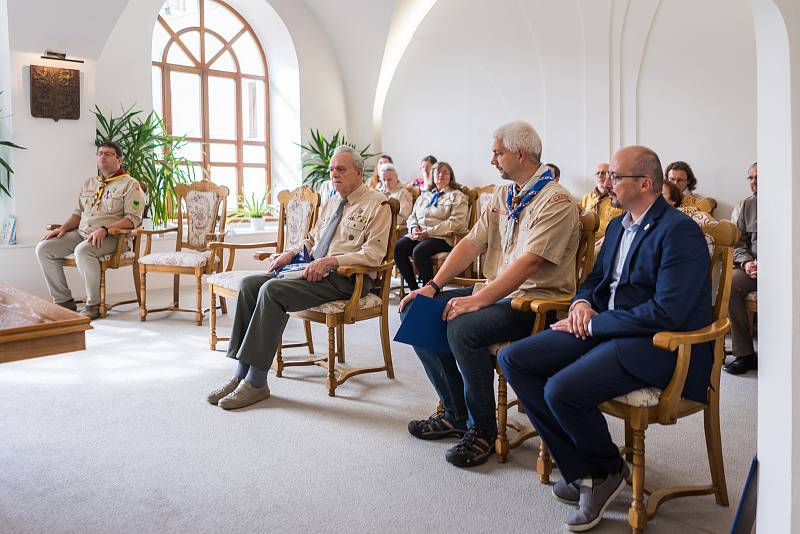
{"points": [[92, 311], [595, 499], [567, 492], [243, 395], [223, 391]]}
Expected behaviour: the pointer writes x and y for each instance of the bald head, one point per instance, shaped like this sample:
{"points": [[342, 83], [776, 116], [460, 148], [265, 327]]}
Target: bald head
{"points": [[638, 178], [642, 161]]}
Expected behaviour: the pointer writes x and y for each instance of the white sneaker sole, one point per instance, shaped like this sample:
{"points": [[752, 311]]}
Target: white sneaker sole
{"points": [[593, 523]]}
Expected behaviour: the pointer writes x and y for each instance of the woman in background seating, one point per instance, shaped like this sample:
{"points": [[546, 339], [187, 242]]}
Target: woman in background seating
{"points": [[425, 182], [374, 181], [680, 174], [394, 188], [438, 214], [672, 194]]}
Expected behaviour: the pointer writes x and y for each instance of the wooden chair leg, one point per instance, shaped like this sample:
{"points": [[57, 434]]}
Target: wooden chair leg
{"points": [[386, 346], [501, 442], [176, 291], [198, 311], [331, 380], [714, 448], [279, 360], [212, 319], [544, 464], [102, 307], [628, 442], [309, 337], [136, 282], [637, 515], [340, 342], [143, 294], [223, 304]]}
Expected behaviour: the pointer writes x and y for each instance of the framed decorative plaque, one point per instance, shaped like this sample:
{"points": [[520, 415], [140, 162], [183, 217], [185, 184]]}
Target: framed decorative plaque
{"points": [[55, 93]]}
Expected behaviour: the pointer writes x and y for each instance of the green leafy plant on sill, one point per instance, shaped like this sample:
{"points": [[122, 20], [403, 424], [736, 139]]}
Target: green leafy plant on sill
{"points": [[317, 157], [5, 167], [150, 155], [252, 208]]}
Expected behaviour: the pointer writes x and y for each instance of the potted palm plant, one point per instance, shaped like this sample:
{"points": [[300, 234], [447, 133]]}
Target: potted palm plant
{"points": [[5, 167], [150, 155], [255, 208], [317, 157]]}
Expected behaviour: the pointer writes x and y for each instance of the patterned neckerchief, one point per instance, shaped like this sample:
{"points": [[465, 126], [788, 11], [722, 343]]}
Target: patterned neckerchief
{"points": [[434, 201], [517, 200], [105, 181]]}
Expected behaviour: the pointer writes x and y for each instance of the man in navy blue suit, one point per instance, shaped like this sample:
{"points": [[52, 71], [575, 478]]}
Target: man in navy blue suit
{"points": [[651, 274]]}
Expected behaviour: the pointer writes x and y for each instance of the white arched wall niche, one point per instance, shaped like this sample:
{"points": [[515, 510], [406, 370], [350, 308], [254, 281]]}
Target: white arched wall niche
{"points": [[686, 110]]}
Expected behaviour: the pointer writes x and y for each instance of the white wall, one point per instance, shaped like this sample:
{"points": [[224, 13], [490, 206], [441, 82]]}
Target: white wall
{"points": [[6, 133], [592, 76]]}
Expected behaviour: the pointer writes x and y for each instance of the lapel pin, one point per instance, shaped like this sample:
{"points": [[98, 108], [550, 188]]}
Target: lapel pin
{"points": [[646, 226]]}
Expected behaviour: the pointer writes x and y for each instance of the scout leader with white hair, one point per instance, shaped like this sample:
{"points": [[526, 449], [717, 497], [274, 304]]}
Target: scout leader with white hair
{"points": [[351, 231], [529, 233], [394, 188]]}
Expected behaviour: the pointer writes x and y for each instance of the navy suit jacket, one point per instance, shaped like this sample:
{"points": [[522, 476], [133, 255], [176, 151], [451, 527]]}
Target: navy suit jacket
{"points": [[664, 285]]}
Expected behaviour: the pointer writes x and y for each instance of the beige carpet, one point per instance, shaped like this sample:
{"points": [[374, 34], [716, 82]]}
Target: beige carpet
{"points": [[119, 439]]}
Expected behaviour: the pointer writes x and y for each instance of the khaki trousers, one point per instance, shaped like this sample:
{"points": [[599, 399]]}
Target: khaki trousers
{"points": [[51, 254]]}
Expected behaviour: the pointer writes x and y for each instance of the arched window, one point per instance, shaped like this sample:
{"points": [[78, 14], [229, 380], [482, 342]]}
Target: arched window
{"points": [[210, 84]]}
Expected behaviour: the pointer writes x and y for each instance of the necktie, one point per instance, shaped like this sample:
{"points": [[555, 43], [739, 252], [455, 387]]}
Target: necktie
{"points": [[320, 250]]}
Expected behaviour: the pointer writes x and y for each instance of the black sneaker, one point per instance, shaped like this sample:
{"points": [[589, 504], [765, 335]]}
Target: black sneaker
{"points": [[436, 426], [471, 450], [742, 364]]}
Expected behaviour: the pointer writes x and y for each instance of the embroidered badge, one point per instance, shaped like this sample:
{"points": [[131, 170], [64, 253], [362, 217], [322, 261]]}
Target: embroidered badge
{"points": [[135, 203], [559, 197]]}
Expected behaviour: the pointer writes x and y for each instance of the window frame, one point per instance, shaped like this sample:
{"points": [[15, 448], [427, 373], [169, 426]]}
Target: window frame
{"points": [[201, 67]]}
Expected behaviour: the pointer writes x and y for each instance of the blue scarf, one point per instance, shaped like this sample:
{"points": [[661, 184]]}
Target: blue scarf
{"points": [[524, 196], [434, 201]]}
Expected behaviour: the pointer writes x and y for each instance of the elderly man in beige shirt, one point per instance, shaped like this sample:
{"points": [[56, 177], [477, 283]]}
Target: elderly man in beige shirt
{"points": [[529, 231], [112, 199], [352, 230]]}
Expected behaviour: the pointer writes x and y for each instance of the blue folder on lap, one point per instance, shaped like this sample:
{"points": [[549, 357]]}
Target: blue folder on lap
{"points": [[423, 325]]}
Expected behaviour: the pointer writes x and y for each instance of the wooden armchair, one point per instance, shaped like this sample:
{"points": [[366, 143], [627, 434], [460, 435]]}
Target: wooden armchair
{"points": [[645, 406], [338, 313], [540, 308], [201, 206], [298, 213], [126, 254], [482, 197]]}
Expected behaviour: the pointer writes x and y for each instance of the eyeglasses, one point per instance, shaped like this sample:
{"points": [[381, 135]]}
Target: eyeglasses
{"points": [[616, 178], [109, 154], [752, 178]]}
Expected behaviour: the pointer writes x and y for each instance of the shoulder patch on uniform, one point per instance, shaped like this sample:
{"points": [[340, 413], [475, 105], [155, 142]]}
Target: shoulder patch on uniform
{"points": [[560, 197]]}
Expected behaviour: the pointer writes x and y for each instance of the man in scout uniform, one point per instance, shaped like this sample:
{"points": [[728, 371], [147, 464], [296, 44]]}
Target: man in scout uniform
{"points": [[352, 230], [529, 232], [113, 199], [599, 202]]}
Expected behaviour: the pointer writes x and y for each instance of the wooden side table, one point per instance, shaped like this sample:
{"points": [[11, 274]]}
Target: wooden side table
{"points": [[31, 327]]}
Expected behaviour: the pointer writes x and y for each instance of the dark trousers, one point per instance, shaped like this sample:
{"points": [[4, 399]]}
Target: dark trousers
{"points": [[741, 286], [561, 380], [421, 251], [464, 378], [263, 306]]}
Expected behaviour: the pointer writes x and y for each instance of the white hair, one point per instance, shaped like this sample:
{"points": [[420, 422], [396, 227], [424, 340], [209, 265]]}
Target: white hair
{"points": [[386, 167], [358, 161], [519, 135]]}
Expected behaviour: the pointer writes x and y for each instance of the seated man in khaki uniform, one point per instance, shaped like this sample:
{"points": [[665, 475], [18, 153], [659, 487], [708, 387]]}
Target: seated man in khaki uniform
{"points": [[529, 231], [352, 230], [111, 200], [599, 202]]}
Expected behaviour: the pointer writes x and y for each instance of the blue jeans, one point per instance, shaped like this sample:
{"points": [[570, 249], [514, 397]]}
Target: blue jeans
{"points": [[464, 378]]}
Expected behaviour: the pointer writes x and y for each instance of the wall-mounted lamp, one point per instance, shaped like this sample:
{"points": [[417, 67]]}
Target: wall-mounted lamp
{"points": [[59, 56]]}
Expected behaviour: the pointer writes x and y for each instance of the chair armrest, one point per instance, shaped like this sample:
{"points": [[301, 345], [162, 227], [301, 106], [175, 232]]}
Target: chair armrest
{"points": [[350, 270], [261, 256], [142, 231], [121, 231], [683, 341], [464, 281], [53, 227], [240, 246], [672, 340], [215, 236]]}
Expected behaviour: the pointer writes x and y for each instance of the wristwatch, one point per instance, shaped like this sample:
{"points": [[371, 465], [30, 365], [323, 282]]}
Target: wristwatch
{"points": [[105, 228], [435, 286]]}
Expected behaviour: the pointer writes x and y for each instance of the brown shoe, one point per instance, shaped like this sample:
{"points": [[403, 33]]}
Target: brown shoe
{"points": [[243, 395], [92, 311], [223, 391], [69, 304]]}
